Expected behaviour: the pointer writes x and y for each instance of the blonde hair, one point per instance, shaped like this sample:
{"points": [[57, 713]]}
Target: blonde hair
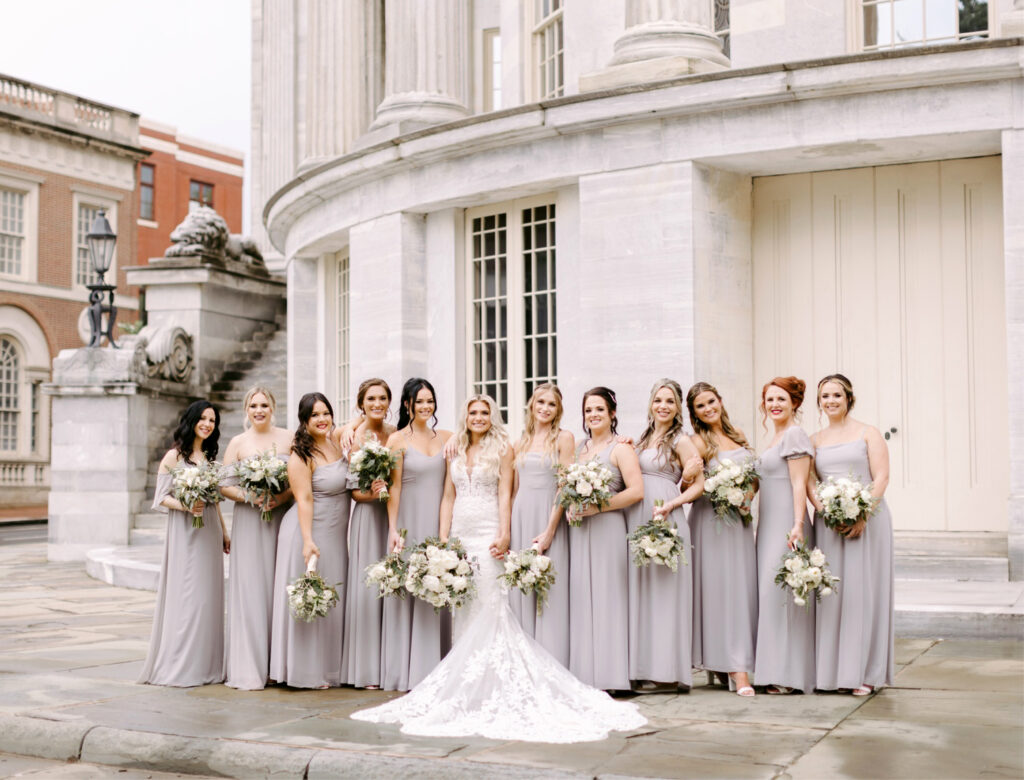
{"points": [[666, 449], [253, 392], [530, 428], [494, 443], [701, 428], [845, 385]]}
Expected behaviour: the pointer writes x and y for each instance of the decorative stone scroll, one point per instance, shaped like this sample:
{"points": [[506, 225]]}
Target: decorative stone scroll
{"points": [[168, 352]]}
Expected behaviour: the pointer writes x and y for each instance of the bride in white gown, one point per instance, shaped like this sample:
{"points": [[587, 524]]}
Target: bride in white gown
{"points": [[496, 681]]}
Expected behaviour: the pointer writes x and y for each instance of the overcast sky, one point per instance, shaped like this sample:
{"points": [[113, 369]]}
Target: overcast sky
{"points": [[182, 62]]}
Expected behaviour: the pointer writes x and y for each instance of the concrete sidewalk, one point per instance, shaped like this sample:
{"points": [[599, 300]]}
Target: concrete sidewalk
{"points": [[70, 648]]}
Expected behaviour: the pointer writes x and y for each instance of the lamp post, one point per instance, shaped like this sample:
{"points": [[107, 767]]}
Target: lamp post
{"points": [[101, 240]]}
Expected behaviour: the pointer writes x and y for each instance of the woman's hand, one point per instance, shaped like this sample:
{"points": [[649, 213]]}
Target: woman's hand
{"points": [[377, 487], [197, 508], [395, 541], [499, 546], [855, 530], [542, 542], [796, 536], [451, 447], [623, 439], [588, 510], [268, 502], [227, 543], [309, 549], [692, 469], [662, 511]]}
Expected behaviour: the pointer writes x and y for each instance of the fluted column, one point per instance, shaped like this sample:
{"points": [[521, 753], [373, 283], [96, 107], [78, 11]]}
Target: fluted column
{"points": [[426, 56], [657, 29]]}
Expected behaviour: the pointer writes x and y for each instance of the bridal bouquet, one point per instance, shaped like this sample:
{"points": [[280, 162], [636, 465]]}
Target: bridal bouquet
{"points": [[729, 487], [261, 477], [583, 484], [804, 572], [657, 542], [370, 462], [196, 483], [845, 501], [531, 572], [309, 597], [440, 573], [388, 574]]}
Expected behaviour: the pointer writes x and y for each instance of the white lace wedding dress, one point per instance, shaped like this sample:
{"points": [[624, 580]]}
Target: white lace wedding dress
{"points": [[496, 681]]}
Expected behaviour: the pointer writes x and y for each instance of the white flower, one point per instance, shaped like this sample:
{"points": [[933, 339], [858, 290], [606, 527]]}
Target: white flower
{"points": [[828, 493], [826, 591], [793, 564], [584, 488], [378, 572], [543, 562], [459, 584], [436, 568], [650, 550], [447, 579], [735, 496], [463, 568], [799, 601], [529, 578], [432, 583], [793, 581], [817, 557], [664, 548], [865, 496], [510, 565]]}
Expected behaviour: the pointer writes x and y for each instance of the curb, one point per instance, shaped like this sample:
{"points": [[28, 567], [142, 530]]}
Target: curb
{"points": [[78, 740]]}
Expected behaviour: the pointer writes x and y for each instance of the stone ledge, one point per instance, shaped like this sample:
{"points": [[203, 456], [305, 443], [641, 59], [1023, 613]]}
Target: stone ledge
{"points": [[42, 737]]}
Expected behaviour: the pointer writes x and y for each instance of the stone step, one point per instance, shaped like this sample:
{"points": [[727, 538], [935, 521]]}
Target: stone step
{"points": [[951, 543], [956, 568], [130, 567], [150, 520], [941, 609], [140, 536]]}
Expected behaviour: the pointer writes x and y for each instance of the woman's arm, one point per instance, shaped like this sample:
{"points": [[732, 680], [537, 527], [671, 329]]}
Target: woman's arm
{"points": [[799, 468], [301, 478], [232, 492], [395, 541], [505, 476], [224, 530], [566, 448], [686, 452], [625, 459], [447, 502], [169, 461]]}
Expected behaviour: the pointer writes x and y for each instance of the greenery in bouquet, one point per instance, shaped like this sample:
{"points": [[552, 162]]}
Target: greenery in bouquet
{"points": [[657, 542], [530, 572], [805, 571], [309, 596], [440, 573], [388, 574], [845, 501], [194, 483], [371, 462], [583, 484], [730, 488], [261, 477]]}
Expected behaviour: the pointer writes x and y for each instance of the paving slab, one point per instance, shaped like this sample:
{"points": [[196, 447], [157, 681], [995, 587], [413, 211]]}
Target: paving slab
{"points": [[944, 672], [26, 692], [986, 708], [44, 769]]}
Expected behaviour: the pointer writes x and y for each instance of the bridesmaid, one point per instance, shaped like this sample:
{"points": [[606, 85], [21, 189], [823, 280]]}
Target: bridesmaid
{"points": [[661, 600], [187, 644], [855, 625], [784, 655], [368, 537], [542, 447], [308, 655], [599, 575], [414, 637], [251, 574], [724, 559]]}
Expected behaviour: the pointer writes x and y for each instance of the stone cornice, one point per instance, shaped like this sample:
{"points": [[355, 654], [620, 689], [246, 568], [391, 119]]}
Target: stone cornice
{"points": [[850, 75], [73, 137]]}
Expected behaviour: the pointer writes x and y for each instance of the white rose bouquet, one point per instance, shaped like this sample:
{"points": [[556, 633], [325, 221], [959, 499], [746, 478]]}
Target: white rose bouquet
{"points": [[730, 487], [531, 572], [583, 484], [440, 573], [388, 574], [845, 501], [657, 542], [261, 477], [309, 597], [196, 483], [804, 572], [370, 462]]}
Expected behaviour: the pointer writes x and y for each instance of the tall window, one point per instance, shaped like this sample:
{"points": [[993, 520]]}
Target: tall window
{"points": [[147, 179], [492, 69], [199, 194], [10, 389], [34, 401], [83, 224], [512, 321], [343, 409], [722, 25], [12, 231], [548, 48], [893, 23]]}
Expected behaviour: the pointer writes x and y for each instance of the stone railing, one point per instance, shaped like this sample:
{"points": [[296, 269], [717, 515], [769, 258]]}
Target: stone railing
{"points": [[50, 106], [24, 474]]}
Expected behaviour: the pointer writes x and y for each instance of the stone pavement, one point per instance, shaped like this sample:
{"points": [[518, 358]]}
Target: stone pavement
{"points": [[70, 648]]}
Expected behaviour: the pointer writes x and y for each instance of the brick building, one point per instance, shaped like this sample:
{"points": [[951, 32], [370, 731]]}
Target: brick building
{"points": [[182, 172]]}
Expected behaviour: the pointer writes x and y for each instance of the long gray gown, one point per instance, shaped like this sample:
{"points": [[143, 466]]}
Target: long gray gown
{"points": [[250, 593], [724, 584], [855, 624], [660, 600], [784, 654], [308, 655], [531, 510], [368, 541], [414, 638], [186, 647], [598, 595]]}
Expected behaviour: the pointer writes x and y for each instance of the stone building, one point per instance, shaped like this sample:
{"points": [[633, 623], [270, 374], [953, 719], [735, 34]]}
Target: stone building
{"points": [[496, 193]]}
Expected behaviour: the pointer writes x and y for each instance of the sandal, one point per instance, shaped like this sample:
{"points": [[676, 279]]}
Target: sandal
{"points": [[779, 690], [864, 690], [746, 691]]}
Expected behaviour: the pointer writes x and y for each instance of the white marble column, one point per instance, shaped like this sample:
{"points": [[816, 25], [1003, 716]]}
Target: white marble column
{"points": [[426, 57]]}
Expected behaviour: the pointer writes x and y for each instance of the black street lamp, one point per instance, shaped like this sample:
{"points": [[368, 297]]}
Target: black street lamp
{"points": [[101, 240]]}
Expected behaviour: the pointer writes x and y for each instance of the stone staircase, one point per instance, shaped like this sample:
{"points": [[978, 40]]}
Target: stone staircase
{"points": [[259, 361]]}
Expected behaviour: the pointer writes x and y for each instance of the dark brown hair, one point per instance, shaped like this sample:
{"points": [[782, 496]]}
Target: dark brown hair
{"points": [[609, 398], [303, 444]]}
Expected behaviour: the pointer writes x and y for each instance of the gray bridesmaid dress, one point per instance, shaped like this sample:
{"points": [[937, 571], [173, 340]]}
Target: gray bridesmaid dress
{"points": [[250, 593], [414, 638], [598, 595], [784, 654], [308, 655], [186, 647], [724, 584], [855, 624], [531, 510], [368, 541], [660, 600]]}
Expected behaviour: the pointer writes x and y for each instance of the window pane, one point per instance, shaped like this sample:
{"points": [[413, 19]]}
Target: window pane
{"points": [[542, 314], [10, 381], [877, 25], [146, 174], [908, 21], [973, 16]]}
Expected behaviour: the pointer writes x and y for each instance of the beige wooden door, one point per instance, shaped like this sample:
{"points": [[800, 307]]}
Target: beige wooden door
{"points": [[894, 276]]}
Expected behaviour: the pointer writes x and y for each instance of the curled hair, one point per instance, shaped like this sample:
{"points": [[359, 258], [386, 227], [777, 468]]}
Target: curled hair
{"points": [[666, 448], [408, 402], [609, 398], [844, 383], [530, 427], [303, 444], [185, 433], [494, 442], [702, 429], [794, 388], [364, 388], [253, 392]]}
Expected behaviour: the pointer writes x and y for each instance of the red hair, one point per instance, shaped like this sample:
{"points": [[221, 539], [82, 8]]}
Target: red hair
{"points": [[793, 386]]}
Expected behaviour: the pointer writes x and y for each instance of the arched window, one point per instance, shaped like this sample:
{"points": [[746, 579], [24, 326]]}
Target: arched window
{"points": [[10, 394]]}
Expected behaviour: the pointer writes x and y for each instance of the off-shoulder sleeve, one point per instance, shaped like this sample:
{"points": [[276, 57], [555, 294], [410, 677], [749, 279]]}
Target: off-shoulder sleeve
{"points": [[796, 444], [164, 485], [228, 477]]}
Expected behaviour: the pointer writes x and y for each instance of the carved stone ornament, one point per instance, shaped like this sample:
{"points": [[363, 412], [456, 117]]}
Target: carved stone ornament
{"points": [[168, 352], [205, 233]]}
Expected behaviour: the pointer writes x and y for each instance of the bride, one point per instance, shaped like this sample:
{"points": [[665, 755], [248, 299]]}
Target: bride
{"points": [[496, 682]]}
